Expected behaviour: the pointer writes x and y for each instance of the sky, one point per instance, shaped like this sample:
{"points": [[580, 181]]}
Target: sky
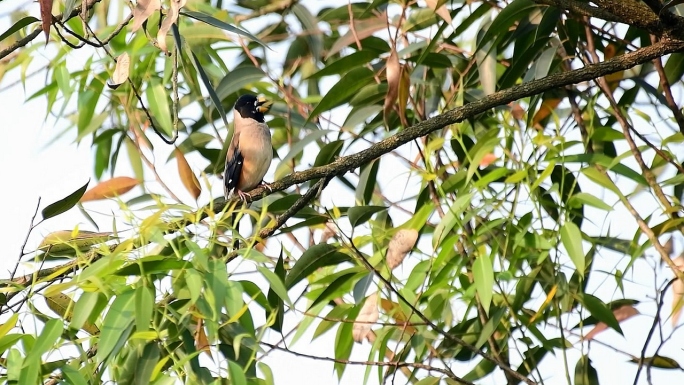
{"points": [[35, 162]]}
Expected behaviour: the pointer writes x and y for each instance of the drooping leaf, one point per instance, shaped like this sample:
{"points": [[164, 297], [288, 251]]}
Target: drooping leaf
{"points": [[23, 22], [571, 236], [187, 177], [142, 11], [170, 19], [121, 70]]}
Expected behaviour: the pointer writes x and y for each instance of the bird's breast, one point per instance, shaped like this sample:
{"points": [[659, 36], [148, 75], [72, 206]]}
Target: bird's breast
{"points": [[256, 149]]}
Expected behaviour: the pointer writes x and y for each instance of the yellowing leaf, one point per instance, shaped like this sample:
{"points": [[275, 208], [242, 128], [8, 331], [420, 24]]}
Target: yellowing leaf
{"points": [[120, 75], [487, 160], [404, 90], [110, 188], [367, 316], [402, 242], [142, 11], [187, 176], [171, 17], [66, 241]]}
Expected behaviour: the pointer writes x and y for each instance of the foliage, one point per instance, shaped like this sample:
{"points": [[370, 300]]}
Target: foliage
{"points": [[501, 139]]}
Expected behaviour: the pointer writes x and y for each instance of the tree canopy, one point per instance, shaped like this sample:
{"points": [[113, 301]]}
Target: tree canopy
{"points": [[462, 191]]}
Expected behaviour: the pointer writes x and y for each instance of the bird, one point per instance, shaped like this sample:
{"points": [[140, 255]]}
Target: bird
{"points": [[250, 152]]}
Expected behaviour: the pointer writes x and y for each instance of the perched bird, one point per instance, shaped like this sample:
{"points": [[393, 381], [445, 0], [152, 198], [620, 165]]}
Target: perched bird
{"points": [[249, 153]]}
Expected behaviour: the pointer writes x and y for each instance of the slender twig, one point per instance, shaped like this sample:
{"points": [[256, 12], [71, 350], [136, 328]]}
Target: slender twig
{"points": [[656, 320], [371, 363]]}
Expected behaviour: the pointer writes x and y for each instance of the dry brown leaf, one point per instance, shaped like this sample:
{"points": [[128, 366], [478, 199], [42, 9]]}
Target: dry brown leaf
{"points": [[404, 90], [367, 316], [622, 313], [402, 242], [393, 78], [120, 75], [517, 111], [440, 10], [363, 28], [187, 176], [142, 11], [171, 17], [201, 340], [46, 17], [393, 310], [546, 108], [110, 188]]}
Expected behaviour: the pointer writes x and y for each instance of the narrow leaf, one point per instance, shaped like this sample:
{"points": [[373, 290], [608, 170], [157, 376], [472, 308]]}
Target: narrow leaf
{"points": [[110, 188], [23, 22], [64, 204], [186, 175], [571, 237], [142, 11], [121, 70]]}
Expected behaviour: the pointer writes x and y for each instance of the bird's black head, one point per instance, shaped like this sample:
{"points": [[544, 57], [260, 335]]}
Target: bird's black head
{"points": [[249, 106]]}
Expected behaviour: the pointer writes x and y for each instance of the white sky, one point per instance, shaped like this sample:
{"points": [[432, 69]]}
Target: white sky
{"points": [[34, 164]]}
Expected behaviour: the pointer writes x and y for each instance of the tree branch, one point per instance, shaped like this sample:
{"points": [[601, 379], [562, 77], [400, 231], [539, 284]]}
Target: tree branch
{"points": [[28, 38]]}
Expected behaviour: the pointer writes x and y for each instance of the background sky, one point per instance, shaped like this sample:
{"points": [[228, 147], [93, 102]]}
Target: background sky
{"points": [[35, 161]]}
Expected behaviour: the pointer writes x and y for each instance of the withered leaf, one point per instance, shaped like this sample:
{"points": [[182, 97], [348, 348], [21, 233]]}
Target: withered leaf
{"points": [[393, 78], [110, 188], [142, 11], [46, 17], [171, 17], [402, 242], [622, 313], [187, 176], [368, 315], [120, 75]]}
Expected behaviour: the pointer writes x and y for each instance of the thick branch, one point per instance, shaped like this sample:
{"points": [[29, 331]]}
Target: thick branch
{"points": [[535, 87]]}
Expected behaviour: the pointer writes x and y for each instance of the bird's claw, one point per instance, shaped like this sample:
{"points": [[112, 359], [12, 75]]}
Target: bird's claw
{"points": [[243, 196], [266, 186]]}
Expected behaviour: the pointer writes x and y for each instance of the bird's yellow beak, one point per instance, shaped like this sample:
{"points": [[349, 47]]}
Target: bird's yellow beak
{"points": [[263, 105]]}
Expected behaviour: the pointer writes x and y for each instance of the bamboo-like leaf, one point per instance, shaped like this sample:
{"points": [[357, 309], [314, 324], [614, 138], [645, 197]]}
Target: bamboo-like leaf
{"points": [[203, 17], [622, 313], [187, 177], [110, 188], [142, 11], [393, 78], [571, 237], [65, 203], [23, 22], [46, 17]]}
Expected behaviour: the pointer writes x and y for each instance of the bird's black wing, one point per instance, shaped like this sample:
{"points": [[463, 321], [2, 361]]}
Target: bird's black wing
{"points": [[231, 177]]}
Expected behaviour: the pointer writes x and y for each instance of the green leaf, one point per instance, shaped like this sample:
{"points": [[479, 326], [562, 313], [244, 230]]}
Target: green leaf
{"points": [[661, 362], [600, 311], [203, 17], [117, 325], [571, 237], [361, 214], [238, 79], [483, 275], [237, 375], [51, 332], [158, 100], [146, 363], [451, 218], [346, 63], [23, 22], [340, 286], [64, 204], [144, 306], [343, 90], [367, 181], [585, 374], [313, 258], [580, 199], [276, 284], [73, 376]]}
